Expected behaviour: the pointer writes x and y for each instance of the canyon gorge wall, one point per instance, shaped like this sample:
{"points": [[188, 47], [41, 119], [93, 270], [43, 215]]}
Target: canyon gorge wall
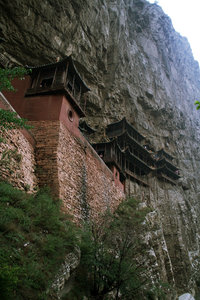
{"points": [[137, 66]]}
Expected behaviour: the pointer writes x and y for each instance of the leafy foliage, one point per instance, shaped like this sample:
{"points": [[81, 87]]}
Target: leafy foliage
{"points": [[197, 103], [7, 75], [10, 120], [108, 255], [35, 237]]}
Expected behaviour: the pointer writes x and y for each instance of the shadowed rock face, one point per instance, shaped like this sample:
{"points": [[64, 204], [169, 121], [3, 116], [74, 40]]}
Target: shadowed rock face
{"points": [[136, 66]]}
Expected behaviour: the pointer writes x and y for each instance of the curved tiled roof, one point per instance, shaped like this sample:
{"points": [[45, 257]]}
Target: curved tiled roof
{"points": [[64, 61]]}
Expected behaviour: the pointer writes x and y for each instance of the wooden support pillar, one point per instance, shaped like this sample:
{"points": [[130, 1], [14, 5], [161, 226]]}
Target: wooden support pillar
{"points": [[54, 76], [66, 72], [73, 93], [37, 80]]}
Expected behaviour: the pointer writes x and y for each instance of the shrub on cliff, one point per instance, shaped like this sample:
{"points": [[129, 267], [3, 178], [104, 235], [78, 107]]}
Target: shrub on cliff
{"points": [[10, 119], [197, 103], [34, 237], [110, 264], [7, 75]]}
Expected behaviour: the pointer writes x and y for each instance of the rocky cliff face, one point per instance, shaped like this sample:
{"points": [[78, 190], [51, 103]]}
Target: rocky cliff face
{"points": [[137, 66]]}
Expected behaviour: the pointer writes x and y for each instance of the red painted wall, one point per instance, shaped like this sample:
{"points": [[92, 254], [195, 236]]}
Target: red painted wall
{"points": [[43, 107], [6, 106], [17, 99], [71, 123], [116, 176], [49, 108]]}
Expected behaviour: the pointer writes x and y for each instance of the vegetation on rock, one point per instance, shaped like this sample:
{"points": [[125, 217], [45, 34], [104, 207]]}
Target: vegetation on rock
{"points": [[35, 237], [110, 267], [10, 119], [7, 75], [197, 103]]}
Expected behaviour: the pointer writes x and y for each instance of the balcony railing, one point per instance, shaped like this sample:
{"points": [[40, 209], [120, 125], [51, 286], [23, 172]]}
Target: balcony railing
{"points": [[137, 178]]}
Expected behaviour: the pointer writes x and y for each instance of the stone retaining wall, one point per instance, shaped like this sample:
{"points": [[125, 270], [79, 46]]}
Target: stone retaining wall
{"points": [[74, 171], [17, 161], [67, 164], [17, 158], [86, 184]]}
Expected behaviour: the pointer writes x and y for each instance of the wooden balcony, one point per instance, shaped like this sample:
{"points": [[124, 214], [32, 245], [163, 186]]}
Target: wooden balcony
{"points": [[164, 177], [136, 178]]}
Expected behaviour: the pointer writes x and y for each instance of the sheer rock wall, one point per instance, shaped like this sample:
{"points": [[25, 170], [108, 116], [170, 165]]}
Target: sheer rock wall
{"points": [[137, 66]]}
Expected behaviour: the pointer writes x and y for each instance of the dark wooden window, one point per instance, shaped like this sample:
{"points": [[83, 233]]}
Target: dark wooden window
{"points": [[47, 82], [70, 115]]}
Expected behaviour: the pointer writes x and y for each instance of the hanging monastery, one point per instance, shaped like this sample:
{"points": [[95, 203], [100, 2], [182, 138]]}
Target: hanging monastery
{"points": [[87, 177]]}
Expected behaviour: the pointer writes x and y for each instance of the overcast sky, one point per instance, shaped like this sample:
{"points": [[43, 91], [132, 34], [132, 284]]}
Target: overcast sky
{"points": [[185, 16]]}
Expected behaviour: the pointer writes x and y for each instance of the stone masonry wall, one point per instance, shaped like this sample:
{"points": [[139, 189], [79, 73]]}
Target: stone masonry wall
{"points": [[46, 134], [136, 66], [86, 184], [75, 172], [17, 160]]}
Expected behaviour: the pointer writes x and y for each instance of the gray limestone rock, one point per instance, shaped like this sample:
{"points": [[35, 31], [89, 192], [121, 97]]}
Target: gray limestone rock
{"points": [[186, 296], [137, 66]]}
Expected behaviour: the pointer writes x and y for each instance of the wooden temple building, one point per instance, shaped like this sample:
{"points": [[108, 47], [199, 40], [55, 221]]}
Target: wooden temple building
{"points": [[56, 78], [51, 92], [127, 152], [86, 129], [165, 168]]}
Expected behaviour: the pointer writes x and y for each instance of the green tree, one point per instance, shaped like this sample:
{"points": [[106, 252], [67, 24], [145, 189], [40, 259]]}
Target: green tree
{"points": [[35, 236], [109, 255], [10, 119], [7, 75]]}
